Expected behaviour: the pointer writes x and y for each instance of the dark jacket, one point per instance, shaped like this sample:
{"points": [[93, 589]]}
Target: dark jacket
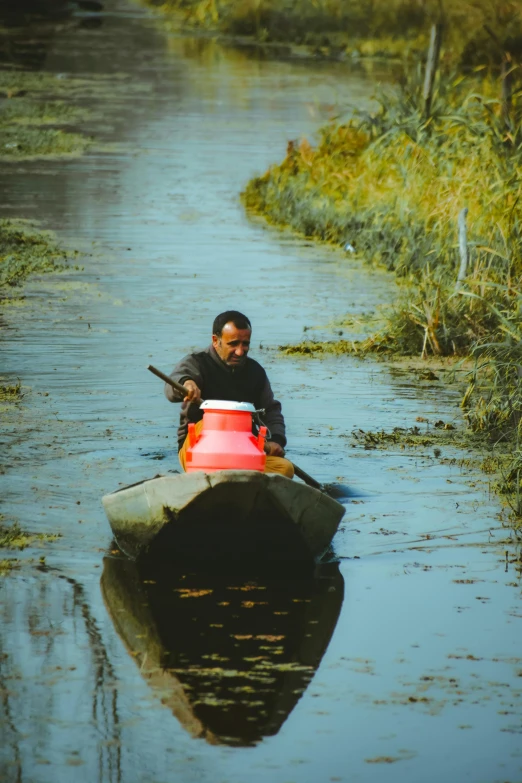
{"points": [[218, 381]]}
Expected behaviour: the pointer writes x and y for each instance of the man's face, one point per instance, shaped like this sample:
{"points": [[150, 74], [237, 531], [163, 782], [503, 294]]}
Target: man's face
{"points": [[233, 344]]}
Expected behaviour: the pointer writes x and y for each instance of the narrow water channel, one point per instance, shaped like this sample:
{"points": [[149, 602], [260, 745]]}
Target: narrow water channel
{"points": [[401, 660]]}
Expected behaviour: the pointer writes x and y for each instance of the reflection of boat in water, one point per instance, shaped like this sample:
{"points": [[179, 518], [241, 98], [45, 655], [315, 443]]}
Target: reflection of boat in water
{"points": [[230, 656]]}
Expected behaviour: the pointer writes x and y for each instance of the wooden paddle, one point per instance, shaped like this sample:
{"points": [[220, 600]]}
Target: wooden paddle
{"points": [[183, 391]]}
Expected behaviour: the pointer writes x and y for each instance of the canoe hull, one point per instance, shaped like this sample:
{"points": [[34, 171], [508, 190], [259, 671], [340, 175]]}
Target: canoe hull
{"points": [[229, 514]]}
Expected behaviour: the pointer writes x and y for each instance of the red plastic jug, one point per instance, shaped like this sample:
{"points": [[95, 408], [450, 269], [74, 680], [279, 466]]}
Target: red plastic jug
{"points": [[226, 441]]}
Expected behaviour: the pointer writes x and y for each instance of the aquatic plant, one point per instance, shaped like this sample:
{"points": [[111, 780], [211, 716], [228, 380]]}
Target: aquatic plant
{"points": [[8, 565], [27, 112], [10, 392], [19, 141], [24, 251], [393, 184], [380, 28], [13, 537]]}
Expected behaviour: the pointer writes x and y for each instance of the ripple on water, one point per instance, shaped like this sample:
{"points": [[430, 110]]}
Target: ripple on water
{"points": [[421, 676]]}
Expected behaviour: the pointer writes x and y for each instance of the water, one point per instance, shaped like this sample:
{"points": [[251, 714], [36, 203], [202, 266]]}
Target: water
{"points": [[402, 662]]}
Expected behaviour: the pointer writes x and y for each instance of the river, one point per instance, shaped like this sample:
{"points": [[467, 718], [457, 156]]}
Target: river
{"points": [[399, 661]]}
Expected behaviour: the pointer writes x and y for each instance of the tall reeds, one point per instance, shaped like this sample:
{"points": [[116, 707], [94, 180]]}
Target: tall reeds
{"points": [[379, 27], [393, 184]]}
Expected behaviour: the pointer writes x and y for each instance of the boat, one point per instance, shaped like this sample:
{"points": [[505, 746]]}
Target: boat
{"points": [[228, 654], [226, 514]]}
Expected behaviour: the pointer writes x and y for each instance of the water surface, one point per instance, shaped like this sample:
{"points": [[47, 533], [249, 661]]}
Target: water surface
{"points": [[402, 661]]}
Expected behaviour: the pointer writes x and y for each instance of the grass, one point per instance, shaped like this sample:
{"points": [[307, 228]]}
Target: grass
{"points": [[396, 28], [393, 184]]}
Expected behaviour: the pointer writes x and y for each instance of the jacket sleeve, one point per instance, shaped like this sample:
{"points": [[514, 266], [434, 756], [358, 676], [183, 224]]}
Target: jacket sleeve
{"points": [[187, 369], [273, 417]]}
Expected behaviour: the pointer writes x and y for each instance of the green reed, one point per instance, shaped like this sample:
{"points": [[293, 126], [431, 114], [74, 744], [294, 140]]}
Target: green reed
{"points": [[395, 28], [393, 184]]}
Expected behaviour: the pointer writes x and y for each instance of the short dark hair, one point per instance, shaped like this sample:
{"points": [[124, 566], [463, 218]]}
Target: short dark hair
{"points": [[239, 320]]}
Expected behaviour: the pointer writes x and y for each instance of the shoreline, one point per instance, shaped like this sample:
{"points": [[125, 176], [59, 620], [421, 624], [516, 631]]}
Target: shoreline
{"points": [[386, 30]]}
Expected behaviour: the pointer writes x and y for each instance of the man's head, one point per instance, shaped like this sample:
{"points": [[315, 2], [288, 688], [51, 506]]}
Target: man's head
{"points": [[231, 337]]}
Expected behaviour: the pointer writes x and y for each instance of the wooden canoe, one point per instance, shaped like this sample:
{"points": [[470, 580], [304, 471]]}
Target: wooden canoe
{"points": [[230, 514]]}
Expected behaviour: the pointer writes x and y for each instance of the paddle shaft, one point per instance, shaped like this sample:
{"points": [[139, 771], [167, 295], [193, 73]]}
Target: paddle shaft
{"points": [[183, 391], [179, 388]]}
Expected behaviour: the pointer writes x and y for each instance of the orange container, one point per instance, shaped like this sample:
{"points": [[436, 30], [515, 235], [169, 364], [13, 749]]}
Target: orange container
{"points": [[226, 441]]}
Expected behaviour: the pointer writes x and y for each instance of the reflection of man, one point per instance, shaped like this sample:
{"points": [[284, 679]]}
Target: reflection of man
{"points": [[224, 371]]}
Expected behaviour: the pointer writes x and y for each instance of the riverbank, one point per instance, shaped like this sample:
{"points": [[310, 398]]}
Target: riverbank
{"points": [[396, 189], [398, 29]]}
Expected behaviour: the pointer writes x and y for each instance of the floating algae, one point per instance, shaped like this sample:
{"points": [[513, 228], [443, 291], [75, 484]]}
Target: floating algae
{"points": [[23, 142], [10, 393], [24, 111], [26, 108], [13, 537], [24, 251]]}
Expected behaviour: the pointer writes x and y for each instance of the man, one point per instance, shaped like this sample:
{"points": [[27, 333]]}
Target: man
{"points": [[224, 371]]}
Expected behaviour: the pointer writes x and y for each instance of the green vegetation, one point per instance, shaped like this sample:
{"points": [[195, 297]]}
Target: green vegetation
{"points": [[13, 537], [394, 28], [7, 565], [393, 184], [441, 438], [23, 142], [10, 393], [25, 251], [32, 105], [25, 113]]}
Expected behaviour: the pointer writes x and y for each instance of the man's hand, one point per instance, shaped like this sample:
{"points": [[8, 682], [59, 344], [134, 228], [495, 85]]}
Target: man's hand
{"points": [[273, 449], [193, 392]]}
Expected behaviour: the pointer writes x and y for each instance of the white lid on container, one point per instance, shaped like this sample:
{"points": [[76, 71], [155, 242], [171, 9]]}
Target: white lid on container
{"points": [[227, 405]]}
